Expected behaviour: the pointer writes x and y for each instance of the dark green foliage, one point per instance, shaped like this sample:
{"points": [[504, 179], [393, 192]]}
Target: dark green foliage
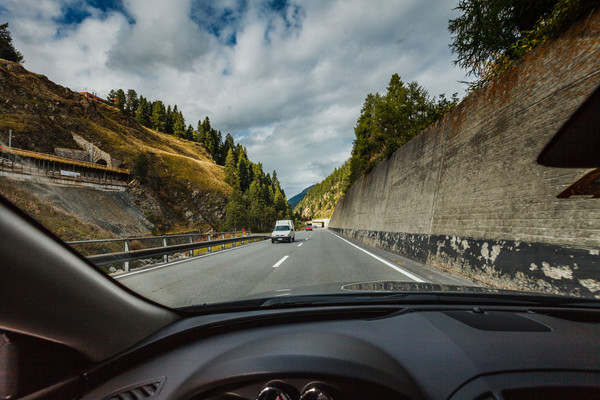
{"points": [[189, 134], [140, 168], [169, 121], [385, 123], [121, 99], [131, 103], [7, 50], [487, 28], [213, 141], [256, 200], [143, 113], [158, 116], [179, 128], [491, 35], [231, 169], [112, 97], [388, 122]]}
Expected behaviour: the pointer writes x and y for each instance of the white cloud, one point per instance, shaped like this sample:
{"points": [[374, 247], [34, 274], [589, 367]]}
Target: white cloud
{"points": [[162, 34], [294, 80]]}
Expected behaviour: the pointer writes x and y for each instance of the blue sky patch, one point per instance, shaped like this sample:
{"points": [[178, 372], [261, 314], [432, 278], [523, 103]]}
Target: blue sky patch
{"points": [[77, 13]]}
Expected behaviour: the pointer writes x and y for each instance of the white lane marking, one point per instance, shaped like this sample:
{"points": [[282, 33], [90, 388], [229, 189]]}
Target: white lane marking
{"points": [[300, 245], [280, 262], [282, 294], [389, 264], [283, 290], [214, 253]]}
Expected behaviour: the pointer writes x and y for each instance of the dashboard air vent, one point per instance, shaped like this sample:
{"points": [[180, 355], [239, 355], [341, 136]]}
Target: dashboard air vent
{"points": [[143, 391]]}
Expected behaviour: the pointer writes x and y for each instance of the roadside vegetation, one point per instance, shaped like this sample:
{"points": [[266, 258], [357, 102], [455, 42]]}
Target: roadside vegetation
{"points": [[166, 119], [257, 199], [487, 38], [320, 201], [490, 36]]}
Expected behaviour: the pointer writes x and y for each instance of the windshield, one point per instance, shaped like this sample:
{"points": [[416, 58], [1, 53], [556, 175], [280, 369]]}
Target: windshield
{"points": [[164, 142]]}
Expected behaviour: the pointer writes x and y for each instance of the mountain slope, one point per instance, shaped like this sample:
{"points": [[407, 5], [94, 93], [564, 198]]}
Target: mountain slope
{"points": [[183, 185], [320, 201], [297, 198]]}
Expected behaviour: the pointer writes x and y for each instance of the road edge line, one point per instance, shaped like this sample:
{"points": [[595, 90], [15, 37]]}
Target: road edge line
{"points": [[389, 264]]}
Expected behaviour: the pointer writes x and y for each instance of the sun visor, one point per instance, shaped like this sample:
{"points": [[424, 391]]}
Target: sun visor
{"points": [[577, 143]]}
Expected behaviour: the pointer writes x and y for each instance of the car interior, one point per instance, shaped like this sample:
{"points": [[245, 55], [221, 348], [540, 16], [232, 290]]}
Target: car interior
{"points": [[68, 331]]}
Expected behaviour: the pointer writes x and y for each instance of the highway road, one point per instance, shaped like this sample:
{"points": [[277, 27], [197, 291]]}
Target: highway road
{"points": [[320, 257]]}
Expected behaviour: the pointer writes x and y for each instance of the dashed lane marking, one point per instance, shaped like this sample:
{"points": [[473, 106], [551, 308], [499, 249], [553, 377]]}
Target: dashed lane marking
{"points": [[278, 263], [300, 244]]}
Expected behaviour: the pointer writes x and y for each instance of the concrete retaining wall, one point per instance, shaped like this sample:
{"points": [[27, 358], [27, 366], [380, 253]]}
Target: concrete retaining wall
{"points": [[90, 153], [467, 194]]}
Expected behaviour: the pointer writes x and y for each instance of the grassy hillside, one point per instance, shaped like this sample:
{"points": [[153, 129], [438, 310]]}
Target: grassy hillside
{"points": [[182, 178]]}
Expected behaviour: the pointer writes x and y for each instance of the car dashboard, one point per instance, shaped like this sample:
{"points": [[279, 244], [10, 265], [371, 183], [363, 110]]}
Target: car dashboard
{"points": [[424, 351]]}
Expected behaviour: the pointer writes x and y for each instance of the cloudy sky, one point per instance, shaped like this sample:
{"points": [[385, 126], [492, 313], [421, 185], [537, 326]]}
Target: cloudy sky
{"points": [[286, 78]]}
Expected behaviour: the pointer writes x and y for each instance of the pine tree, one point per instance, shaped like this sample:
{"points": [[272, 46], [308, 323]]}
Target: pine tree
{"points": [[236, 211], [112, 97], [243, 172], [189, 133], [7, 50], [230, 170], [280, 204], [121, 99], [169, 120], [201, 134], [131, 102], [158, 116], [141, 113], [179, 129]]}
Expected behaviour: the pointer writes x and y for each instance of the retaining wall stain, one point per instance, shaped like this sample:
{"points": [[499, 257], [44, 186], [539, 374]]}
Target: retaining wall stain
{"points": [[504, 264]]}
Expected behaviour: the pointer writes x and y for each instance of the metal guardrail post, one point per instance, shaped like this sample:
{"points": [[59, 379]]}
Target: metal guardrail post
{"points": [[191, 251], [223, 245], [126, 249], [165, 256], [208, 239]]}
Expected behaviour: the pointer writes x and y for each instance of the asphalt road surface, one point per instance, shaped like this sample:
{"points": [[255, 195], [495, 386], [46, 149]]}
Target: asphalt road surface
{"points": [[315, 259]]}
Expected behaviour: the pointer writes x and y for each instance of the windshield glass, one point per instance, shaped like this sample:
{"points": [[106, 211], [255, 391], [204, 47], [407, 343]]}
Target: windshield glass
{"points": [[163, 142]]}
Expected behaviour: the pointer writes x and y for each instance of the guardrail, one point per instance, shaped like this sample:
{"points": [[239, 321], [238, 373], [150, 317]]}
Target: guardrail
{"points": [[195, 241]]}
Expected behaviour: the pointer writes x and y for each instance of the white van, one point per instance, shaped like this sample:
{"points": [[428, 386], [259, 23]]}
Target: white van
{"points": [[284, 231]]}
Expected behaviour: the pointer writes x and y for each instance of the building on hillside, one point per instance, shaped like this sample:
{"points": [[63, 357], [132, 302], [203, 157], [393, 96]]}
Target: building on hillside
{"points": [[93, 97]]}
